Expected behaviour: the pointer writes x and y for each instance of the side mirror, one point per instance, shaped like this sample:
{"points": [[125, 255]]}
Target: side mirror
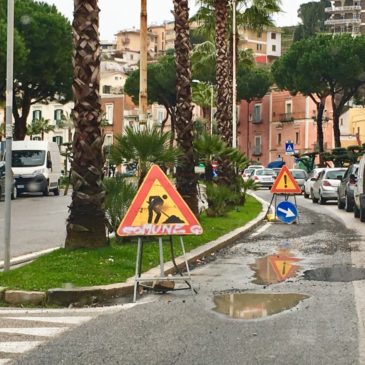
{"points": [[49, 164], [353, 179]]}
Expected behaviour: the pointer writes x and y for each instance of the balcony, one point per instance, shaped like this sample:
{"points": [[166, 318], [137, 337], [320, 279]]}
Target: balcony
{"points": [[343, 21], [257, 150], [342, 9], [286, 117]]}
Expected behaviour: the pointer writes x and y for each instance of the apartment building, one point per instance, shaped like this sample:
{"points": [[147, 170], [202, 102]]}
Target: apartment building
{"points": [[346, 16], [352, 127], [267, 124]]}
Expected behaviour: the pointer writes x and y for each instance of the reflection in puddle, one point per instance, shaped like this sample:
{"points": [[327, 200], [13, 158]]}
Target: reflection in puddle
{"points": [[275, 268], [251, 306]]}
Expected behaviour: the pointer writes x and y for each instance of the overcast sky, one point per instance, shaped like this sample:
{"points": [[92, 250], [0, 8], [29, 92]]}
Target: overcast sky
{"points": [[121, 14]]}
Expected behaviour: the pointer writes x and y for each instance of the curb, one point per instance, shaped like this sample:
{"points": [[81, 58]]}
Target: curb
{"points": [[89, 295]]}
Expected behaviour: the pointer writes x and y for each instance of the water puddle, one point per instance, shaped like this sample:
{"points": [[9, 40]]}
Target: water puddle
{"points": [[335, 274], [275, 268], [253, 306]]}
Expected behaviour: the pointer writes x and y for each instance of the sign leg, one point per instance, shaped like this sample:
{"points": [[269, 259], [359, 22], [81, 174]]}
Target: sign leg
{"points": [[139, 247], [162, 270], [187, 265]]}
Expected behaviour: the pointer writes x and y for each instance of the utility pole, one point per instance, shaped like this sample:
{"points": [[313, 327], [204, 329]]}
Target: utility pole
{"points": [[234, 77], [8, 131], [143, 65]]}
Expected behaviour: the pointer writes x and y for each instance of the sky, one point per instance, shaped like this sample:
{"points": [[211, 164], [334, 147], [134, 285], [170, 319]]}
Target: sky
{"points": [[116, 15]]}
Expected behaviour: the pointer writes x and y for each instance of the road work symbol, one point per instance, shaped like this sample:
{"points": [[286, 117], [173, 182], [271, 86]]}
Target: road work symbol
{"points": [[158, 210]]}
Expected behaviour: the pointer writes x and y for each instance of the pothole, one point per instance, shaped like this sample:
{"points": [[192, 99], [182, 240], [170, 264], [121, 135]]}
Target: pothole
{"points": [[253, 306], [335, 274], [275, 268]]}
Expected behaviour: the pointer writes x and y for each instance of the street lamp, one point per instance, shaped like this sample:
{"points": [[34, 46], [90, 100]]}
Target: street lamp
{"points": [[234, 77]]}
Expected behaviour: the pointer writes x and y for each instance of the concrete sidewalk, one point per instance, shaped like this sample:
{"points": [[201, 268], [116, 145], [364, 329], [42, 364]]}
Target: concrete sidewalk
{"points": [[94, 294]]}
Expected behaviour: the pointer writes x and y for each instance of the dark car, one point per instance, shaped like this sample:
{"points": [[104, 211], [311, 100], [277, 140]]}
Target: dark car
{"points": [[345, 192], [2, 183]]}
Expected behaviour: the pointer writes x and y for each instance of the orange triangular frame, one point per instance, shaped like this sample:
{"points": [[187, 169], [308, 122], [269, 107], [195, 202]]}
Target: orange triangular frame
{"points": [[126, 227], [276, 190]]}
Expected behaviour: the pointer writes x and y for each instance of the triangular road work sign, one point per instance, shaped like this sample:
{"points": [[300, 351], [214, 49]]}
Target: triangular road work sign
{"points": [[158, 210], [285, 183], [283, 265]]}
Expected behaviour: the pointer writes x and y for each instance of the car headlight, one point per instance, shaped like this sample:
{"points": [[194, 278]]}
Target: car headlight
{"points": [[39, 171]]}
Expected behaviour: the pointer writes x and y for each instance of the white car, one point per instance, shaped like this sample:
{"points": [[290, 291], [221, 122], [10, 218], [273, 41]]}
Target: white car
{"points": [[312, 177], [326, 186], [263, 177]]}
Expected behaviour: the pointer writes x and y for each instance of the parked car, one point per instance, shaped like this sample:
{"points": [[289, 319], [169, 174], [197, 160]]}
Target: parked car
{"points": [[2, 183], [300, 176], [263, 177], [277, 170], [246, 174], [345, 194], [359, 193], [256, 167], [312, 177], [326, 185]]}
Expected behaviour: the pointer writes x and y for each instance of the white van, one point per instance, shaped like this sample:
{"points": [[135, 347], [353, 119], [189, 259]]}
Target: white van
{"points": [[359, 192], [36, 166]]}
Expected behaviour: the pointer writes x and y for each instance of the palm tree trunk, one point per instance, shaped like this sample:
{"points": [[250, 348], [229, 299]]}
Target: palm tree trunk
{"points": [[86, 222], [185, 174], [224, 95]]}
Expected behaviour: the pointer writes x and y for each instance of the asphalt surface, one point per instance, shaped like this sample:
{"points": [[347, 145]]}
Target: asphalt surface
{"points": [[179, 328]]}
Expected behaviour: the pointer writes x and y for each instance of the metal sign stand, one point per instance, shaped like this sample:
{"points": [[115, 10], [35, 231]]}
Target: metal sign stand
{"points": [[286, 198], [138, 278]]}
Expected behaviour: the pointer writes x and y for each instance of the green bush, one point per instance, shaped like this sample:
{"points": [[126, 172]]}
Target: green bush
{"points": [[119, 195], [220, 199], [64, 181]]}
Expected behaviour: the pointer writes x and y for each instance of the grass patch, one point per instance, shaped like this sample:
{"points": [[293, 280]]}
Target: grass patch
{"points": [[114, 264]]}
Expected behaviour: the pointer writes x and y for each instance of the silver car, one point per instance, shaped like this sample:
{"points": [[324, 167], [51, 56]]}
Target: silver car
{"points": [[263, 177], [326, 186], [300, 176], [2, 183], [312, 178]]}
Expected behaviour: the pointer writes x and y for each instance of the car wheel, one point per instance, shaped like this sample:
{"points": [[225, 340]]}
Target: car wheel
{"points": [[314, 199], [340, 203], [46, 190], [321, 200], [14, 193], [362, 214], [356, 211], [349, 206], [56, 191], [306, 196]]}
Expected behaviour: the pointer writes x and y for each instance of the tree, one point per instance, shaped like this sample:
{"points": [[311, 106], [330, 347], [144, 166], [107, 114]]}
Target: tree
{"points": [[143, 147], [313, 16], [86, 224], [204, 95], [186, 182], [45, 69], [40, 126]]}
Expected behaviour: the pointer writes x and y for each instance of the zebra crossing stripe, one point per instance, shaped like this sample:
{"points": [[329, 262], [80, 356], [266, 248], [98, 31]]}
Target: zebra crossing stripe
{"points": [[35, 331], [18, 347], [64, 320]]}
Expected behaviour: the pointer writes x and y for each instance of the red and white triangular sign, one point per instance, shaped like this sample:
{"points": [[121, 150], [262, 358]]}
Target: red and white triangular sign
{"points": [[158, 210], [285, 183]]}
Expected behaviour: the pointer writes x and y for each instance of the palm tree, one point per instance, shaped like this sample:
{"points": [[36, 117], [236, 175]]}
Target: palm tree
{"points": [[86, 224], [40, 126], [143, 147], [186, 182]]}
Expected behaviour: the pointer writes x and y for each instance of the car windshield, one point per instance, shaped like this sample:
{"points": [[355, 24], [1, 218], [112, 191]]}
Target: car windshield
{"points": [[298, 174], [334, 173], [265, 172], [248, 171], [28, 158]]}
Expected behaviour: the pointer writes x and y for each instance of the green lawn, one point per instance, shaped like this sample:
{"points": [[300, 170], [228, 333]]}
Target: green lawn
{"points": [[114, 264]]}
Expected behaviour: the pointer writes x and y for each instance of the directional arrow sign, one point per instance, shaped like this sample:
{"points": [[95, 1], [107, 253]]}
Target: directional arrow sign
{"points": [[286, 212]]}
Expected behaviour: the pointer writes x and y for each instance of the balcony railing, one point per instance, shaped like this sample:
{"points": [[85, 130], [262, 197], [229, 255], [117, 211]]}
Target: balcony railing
{"points": [[341, 9], [257, 151], [342, 21], [286, 117]]}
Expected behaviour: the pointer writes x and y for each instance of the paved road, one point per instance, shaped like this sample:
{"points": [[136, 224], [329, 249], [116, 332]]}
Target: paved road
{"points": [[38, 223], [324, 328]]}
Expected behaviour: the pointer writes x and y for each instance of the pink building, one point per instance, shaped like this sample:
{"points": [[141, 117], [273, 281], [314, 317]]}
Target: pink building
{"points": [[279, 118]]}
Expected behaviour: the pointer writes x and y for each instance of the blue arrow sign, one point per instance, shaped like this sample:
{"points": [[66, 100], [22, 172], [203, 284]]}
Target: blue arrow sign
{"points": [[286, 212], [289, 148]]}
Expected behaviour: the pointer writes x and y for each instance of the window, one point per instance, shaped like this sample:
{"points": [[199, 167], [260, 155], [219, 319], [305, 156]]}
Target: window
{"points": [[37, 115], [258, 47], [257, 145], [107, 89], [160, 116], [296, 137], [109, 109], [278, 140], [288, 107], [131, 57], [108, 140], [273, 35], [58, 140], [258, 35], [58, 113], [273, 48], [257, 113], [341, 122]]}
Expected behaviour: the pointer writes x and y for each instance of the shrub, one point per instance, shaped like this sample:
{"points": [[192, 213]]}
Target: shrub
{"points": [[219, 198]]}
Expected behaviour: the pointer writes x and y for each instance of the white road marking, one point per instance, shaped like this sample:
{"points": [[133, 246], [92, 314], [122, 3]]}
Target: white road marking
{"points": [[35, 331], [19, 346], [260, 230], [65, 320]]}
